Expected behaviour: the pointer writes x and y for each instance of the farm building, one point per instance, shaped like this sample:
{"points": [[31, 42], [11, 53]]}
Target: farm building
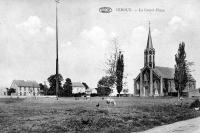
{"points": [[78, 87], [156, 80], [25, 88]]}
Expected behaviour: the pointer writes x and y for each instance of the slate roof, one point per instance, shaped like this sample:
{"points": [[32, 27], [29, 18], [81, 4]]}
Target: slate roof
{"points": [[164, 72], [167, 72], [77, 84], [22, 83]]}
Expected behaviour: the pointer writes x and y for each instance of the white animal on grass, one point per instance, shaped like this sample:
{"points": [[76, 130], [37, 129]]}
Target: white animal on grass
{"points": [[110, 101], [196, 108]]}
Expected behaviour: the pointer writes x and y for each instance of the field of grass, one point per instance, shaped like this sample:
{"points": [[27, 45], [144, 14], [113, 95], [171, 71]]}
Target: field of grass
{"points": [[70, 115]]}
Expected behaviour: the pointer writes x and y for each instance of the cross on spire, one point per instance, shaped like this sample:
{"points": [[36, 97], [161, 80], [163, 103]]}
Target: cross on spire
{"points": [[149, 23]]}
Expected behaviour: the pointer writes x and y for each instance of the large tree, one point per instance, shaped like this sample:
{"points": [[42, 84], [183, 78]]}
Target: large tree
{"points": [[10, 91], [182, 72], [52, 83], [67, 87], [120, 72], [103, 91], [104, 85], [106, 81], [43, 88]]}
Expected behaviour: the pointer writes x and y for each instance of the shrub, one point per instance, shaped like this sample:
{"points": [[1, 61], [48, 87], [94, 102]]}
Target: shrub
{"points": [[94, 95], [195, 104]]}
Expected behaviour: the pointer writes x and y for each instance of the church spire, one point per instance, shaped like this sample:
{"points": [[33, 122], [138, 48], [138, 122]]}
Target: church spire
{"points": [[149, 52], [149, 41]]}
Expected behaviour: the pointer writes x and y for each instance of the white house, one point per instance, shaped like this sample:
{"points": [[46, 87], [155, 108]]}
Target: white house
{"points": [[25, 88], [3, 91], [78, 87]]}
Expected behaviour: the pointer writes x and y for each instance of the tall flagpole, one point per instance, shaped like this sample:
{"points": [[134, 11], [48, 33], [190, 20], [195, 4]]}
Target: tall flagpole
{"points": [[57, 76]]}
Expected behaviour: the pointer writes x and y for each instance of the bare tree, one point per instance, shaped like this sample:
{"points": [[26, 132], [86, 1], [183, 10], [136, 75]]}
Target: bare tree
{"points": [[111, 62]]}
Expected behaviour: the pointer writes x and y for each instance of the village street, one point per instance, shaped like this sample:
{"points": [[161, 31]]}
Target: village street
{"points": [[188, 126]]}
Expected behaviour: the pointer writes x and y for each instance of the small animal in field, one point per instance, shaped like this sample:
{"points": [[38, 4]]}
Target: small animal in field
{"points": [[197, 109], [97, 105], [110, 101], [181, 98]]}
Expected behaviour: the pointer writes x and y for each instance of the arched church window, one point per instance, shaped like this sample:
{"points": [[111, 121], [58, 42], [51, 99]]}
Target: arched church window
{"points": [[150, 59], [155, 88], [146, 58], [137, 86], [146, 77]]}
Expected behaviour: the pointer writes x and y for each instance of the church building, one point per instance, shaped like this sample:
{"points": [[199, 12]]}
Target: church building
{"points": [[156, 80]]}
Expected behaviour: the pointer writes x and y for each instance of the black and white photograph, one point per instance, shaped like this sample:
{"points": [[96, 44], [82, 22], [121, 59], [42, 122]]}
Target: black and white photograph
{"points": [[99, 66]]}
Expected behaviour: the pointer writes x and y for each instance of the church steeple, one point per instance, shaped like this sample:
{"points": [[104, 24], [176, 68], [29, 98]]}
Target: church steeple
{"points": [[149, 41], [149, 52]]}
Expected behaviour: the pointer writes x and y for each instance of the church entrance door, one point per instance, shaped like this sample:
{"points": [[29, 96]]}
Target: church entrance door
{"points": [[147, 91]]}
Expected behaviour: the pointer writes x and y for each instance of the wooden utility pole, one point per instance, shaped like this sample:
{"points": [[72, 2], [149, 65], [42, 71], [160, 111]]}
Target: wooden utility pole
{"points": [[57, 72]]}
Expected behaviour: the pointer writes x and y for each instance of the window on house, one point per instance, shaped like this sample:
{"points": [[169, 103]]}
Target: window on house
{"points": [[20, 93]]}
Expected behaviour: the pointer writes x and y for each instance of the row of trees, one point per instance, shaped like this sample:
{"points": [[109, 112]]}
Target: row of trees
{"points": [[63, 90]]}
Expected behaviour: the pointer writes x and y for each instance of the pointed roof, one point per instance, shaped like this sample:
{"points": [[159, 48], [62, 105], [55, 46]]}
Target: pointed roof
{"points": [[22, 83], [149, 41], [77, 84]]}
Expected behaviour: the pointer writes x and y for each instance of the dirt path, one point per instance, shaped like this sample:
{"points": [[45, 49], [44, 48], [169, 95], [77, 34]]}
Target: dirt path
{"points": [[188, 126]]}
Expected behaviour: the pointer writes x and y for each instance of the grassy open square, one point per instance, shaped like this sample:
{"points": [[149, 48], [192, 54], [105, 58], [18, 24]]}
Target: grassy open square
{"points": [[69, 115]]}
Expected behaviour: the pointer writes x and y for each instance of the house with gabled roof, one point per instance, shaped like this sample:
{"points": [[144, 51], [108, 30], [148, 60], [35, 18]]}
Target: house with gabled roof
{"points": [[156, 80], [78, 87], [25, 88]]}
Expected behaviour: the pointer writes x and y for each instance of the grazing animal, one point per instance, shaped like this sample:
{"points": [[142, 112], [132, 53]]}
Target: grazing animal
{"points": [[110, 102], [196, 108], [181, 98], [97, 105]]}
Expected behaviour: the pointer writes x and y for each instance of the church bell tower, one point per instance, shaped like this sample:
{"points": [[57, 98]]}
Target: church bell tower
{"points": [[149, 52]]}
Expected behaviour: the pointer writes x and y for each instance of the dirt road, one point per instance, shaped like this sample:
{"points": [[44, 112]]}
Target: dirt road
{"points": [[188, 126]]}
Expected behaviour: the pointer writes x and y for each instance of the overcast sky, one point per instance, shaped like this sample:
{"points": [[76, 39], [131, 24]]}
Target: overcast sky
{"points": [[27, 37]]}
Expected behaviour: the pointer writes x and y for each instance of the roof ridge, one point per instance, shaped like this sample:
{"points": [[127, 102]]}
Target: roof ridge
{"points": [[164, 67]]}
